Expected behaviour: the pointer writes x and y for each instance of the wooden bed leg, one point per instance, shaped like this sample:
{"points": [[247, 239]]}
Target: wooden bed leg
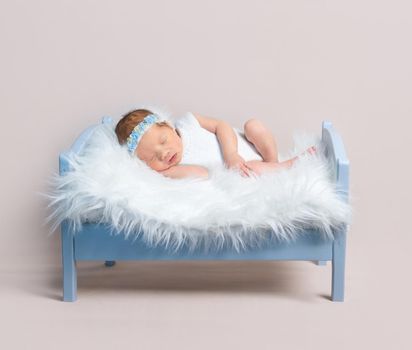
{"points": [[109, 263], [338, 266], [69, 265]]}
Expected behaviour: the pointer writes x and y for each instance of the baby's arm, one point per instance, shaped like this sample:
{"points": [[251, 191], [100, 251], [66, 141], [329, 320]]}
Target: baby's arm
{"points": [[227, 139], [182, 171], [224, 132]]}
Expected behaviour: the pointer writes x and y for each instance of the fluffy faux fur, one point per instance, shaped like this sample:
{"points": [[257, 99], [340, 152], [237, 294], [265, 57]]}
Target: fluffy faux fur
{"points": [[108, 186]]}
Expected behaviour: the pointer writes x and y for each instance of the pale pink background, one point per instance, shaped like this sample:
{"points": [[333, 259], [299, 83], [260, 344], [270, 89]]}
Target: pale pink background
{"points": [[65, 64]]}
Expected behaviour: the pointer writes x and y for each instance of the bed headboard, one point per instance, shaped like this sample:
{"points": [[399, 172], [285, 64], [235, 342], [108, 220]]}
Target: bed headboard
{"points": [[77, 146], [335, 152]]}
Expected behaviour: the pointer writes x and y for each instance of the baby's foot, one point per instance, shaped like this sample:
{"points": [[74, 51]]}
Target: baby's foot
{"points": [[310, 150], [289, 163]]}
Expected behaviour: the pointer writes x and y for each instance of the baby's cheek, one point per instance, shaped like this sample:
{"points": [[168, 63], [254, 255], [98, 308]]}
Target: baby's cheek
{"points": [[158, 166]]}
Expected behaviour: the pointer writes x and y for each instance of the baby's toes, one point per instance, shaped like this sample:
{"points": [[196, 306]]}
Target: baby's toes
{"points": [[312, 150]]}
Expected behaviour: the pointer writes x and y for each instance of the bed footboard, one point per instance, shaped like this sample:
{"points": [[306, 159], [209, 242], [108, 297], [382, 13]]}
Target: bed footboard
{"points": [[335, 152]]}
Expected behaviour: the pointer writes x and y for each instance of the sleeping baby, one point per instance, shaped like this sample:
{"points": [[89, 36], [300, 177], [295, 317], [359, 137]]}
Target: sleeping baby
{"points": [[192, 143]]}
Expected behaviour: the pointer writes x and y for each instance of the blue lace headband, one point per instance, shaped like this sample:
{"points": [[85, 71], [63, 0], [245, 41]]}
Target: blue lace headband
{"points": [[138, 131]]}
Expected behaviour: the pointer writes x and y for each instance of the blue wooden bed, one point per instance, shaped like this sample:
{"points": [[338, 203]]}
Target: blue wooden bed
{"points": [[94, 241]]}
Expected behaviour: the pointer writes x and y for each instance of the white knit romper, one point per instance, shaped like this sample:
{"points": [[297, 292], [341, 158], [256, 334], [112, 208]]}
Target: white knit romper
{"points": [[201, 147]]}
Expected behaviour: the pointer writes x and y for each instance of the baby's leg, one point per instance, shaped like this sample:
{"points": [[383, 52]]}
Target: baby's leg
{"points": [[261, 137], [260, 167]]}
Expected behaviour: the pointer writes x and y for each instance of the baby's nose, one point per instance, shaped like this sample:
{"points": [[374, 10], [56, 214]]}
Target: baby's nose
{"points": [[165, 156]]}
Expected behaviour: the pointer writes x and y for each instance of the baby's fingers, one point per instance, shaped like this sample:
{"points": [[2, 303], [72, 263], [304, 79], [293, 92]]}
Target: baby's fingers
{"points": [[248, 167], [245, 169], [251, 170]]}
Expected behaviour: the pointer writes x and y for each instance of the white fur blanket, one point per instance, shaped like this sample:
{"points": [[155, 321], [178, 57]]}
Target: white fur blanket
{"points": [[108, 186]]}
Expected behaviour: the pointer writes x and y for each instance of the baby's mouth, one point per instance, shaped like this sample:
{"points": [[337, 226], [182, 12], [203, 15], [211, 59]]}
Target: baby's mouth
{"points": [[172, 159]]}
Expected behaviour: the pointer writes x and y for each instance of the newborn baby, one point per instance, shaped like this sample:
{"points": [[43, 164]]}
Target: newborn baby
{"points": [[163, 148]]}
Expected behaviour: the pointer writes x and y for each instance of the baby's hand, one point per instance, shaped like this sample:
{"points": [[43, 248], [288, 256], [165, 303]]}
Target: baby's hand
{"points": [[234, 160]]}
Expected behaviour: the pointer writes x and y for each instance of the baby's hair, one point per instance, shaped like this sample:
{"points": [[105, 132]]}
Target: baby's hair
{"points": [[129, 121]]}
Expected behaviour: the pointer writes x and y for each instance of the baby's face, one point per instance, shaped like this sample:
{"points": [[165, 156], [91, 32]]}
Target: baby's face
{"points": [[160, 147]]}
